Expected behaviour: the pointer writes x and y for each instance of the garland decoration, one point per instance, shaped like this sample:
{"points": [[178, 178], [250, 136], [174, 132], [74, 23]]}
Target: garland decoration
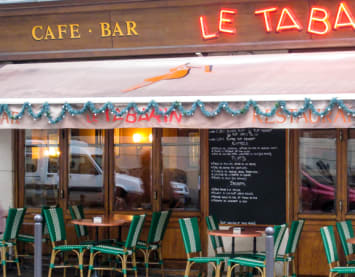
{"points": [[175, 106]]}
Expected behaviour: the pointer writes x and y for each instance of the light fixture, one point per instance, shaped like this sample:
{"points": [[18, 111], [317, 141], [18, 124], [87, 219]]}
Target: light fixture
{"points": [[137, 138]]}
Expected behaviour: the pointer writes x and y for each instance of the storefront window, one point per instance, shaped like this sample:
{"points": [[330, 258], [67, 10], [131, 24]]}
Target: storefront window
{"points": [[181, 169], [133, 162], [85, 187], [351, 171], [317, 163], [41, 168]]}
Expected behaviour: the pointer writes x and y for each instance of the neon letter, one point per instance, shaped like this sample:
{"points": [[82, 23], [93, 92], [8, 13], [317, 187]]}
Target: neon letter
{"points": [[267, 18], [323, 20], [224, 21], [204, 29], [344, 10], [281, 25]]}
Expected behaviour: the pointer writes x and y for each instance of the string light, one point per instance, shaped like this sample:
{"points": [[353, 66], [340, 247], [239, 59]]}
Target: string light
{"points": [[45, 110]]}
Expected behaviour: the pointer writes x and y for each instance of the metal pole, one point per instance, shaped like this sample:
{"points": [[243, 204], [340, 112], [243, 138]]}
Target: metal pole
{"points": [[269, 248], [38, 245]]}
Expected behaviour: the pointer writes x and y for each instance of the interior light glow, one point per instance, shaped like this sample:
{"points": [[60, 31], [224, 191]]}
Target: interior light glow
{"points": [[137, 138], [204, 29], [225, 21], [344, 11], [288, 14], [320, 17], [267, 19], [150, 137]]}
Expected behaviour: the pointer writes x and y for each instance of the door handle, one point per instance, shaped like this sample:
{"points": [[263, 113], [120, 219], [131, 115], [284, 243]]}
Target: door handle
{"points": [[62, 194]]}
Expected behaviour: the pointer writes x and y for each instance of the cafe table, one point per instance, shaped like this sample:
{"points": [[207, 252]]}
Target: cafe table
{"points": [[105, 222], [246, 232], [351, 240]]}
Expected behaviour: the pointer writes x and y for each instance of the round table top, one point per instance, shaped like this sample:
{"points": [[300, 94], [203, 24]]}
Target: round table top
{"points": [[106, 222], [229, 233], [351, 240]]}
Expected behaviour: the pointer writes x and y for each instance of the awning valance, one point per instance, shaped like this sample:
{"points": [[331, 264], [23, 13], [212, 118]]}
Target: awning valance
{"points": [[303, 90]]}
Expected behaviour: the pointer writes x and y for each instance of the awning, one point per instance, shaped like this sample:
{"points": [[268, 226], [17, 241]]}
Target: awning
{"points": [[303, 90]]}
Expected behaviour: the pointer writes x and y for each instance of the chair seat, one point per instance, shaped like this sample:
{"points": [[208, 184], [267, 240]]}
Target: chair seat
{"points": [[351, 262], [7, 244], [72, 247], [217, 260], [279, 258], [343, 269], [245, 261], [144, 245], [113, 250], [28, 238]]}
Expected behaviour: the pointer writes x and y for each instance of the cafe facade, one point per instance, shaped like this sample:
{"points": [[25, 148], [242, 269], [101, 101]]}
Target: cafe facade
{"points": [[240, 109]]}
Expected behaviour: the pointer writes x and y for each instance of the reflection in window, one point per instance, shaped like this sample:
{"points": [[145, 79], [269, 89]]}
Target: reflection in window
{"points": [[181, 169], [133, 162], [41, 167], [351, 171], [317, 160], [85, 172]]}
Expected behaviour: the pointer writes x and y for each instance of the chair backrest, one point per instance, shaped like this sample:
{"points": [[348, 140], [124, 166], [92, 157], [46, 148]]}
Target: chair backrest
{"points": [[212, 224], [55, 223], [77, 212], [190, 234], [345, 231], [158, 226], [294, 236], [329, 243], [13, 223], [134, 231], [279, 232]]}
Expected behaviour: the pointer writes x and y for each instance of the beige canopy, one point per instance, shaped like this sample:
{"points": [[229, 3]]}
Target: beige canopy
{"points": [[264, 78]]}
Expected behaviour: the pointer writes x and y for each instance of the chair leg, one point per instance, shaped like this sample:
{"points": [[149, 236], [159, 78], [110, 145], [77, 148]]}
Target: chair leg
{"points": [[218, 270], [3, 260], [134, 264], [81, 263], [146, 261], [17, 261], [187, 270], [65, 256], [51, 264], [124, 265], [91, 263], [229, 271], [293, 268]]}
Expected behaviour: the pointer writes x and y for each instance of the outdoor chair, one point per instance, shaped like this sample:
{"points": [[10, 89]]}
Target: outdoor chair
{"points": [[259, 260], [27, 238], [8, 239], [345, 231], [289, 256], [156, 233], [190, 234], [331, 252], [121, 253], [56, 227]]}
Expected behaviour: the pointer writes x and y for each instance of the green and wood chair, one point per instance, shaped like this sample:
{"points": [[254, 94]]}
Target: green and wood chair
{"points": [[345, 231], [27, 238], [289, 256], [331, 252], [156, 233], [259, 260], [121, 253], [55, 222], [8, 239], [190, 234]]}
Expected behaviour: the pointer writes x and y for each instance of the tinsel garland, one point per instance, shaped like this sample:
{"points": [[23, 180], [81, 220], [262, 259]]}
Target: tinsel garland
{"points": [[175, 106]]}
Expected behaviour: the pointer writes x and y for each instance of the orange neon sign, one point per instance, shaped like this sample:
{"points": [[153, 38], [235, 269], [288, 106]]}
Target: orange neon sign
{"points": [[283, 19]]}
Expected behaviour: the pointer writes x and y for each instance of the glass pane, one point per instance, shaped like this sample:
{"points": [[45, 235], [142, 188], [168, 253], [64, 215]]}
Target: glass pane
{"points": [[41, 167], [317, 158], [181, 169], [351, 171], [86, 149], [133, 168]]}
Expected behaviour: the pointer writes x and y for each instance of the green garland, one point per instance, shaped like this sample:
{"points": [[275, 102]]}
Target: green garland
{"points": [[175, 106]]}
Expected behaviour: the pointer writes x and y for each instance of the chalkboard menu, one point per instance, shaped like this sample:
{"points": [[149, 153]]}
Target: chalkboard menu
{"points": [[247, 180]]}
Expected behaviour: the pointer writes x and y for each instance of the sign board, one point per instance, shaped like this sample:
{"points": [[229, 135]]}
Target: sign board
{"points": [[247, 182], [62, 30]]}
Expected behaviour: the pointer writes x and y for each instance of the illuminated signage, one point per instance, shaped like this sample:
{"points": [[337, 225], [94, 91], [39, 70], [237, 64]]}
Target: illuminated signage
{"points": [[318, 21]]}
